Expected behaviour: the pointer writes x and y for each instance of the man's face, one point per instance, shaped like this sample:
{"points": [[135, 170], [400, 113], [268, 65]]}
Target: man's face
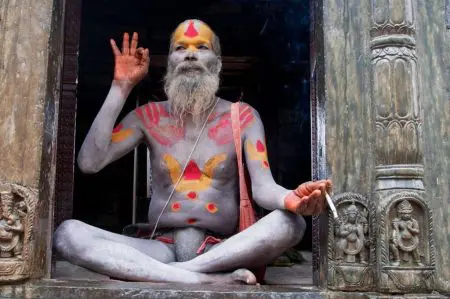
{"points": [[192, 78], [191, 51]]}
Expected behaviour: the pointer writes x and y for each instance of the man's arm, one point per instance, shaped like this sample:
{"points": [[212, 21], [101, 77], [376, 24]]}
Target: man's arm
{"points": [[103, 143], [307, 199]]}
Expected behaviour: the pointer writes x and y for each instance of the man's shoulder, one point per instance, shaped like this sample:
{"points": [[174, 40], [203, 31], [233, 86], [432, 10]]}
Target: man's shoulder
{"points": [[242, 105], [152, 110]]}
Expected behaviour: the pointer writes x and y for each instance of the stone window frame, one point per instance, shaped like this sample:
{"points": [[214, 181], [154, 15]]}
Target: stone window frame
{"points": [[64, 44]]}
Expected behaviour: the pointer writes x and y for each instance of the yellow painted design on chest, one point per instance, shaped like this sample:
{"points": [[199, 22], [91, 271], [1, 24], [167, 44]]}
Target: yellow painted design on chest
{"points": [[191, 180]]}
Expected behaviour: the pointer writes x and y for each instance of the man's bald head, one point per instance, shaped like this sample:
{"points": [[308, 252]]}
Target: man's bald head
{"points": [[195, 31]]}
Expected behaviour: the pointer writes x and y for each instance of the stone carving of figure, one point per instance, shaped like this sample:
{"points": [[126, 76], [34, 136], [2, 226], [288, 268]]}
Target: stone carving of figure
{"points": [[405, 235], [11, 228], [351, 236], [195, 202]]}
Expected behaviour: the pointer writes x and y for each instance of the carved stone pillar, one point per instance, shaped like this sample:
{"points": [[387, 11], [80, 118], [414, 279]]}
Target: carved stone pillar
{"points": [[404, 246], [30, 64]]}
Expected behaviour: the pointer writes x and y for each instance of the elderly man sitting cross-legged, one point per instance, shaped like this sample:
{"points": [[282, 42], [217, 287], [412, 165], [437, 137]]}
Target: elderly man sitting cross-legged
{"points": [[195, 205]]}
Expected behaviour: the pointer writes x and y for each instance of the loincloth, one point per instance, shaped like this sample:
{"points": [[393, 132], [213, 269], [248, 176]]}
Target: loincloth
{"points": [[211, 239]]}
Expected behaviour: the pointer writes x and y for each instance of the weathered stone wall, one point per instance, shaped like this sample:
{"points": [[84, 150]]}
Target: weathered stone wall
{"points": [[433, 49], [30, 63]]}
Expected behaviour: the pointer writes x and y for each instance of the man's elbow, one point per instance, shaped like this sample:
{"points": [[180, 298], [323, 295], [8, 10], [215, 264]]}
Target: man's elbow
{"points": [[86, 165]]}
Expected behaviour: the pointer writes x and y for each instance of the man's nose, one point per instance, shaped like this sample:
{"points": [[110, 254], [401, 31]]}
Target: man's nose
{"points": [[190, 56]]}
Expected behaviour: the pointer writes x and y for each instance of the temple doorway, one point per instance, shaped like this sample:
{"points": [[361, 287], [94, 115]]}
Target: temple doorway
{"points": [[266, 63]]}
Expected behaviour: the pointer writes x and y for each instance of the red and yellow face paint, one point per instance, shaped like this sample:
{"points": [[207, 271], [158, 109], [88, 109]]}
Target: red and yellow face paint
{"points": [[191, 34], [120, 134], [258, 152]]}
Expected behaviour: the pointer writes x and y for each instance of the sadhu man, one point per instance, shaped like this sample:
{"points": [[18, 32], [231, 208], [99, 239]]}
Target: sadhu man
{"points": [[195, 202]]}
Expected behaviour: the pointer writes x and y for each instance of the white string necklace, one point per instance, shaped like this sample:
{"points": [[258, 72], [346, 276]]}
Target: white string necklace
{"points": [[184, 168]]}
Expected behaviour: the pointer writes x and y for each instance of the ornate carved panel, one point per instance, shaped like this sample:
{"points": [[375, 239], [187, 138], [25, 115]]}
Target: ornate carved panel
{"points": [[392, 17], [398, 122], [405, 240], [17, 213], [351, 244]]}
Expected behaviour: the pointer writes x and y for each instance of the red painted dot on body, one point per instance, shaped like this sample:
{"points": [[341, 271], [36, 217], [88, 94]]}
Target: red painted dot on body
{"points": [[192, 195], [191, 220], [266, 164], [176, 206], [212, 208], [260, 147]]}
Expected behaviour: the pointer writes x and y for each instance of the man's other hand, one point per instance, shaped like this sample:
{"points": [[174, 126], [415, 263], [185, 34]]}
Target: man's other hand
{"points": [[308, 198]]}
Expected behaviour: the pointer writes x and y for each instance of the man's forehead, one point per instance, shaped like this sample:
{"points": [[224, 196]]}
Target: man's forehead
{"points": [[193, 29]]}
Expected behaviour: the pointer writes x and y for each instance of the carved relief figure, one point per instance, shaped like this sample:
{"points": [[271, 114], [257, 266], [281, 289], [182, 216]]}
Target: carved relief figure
{"points": [[11, 227], [195, 201], [405, 236], [351, 236]]}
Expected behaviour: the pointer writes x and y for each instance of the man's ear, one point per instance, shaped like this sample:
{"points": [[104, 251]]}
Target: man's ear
{"points": [[218, 66]]}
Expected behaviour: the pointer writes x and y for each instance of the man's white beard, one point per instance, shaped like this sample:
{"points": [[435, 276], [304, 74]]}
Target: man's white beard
{"points": [[190, 92]]}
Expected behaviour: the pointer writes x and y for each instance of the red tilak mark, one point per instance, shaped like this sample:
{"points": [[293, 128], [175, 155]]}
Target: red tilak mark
{"points": [[192, 172], [155, 114], [260, 147], [118, 128], [191, 220], [192, 195], [191, 31]]}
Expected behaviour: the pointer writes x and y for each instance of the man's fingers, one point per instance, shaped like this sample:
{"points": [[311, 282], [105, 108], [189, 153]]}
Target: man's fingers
{"points": [[303, 204], [320, 206], [146, 57], [134, 43], [126, 44], [114, 48]]}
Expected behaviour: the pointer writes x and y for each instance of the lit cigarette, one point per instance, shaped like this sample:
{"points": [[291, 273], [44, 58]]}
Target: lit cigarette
{"points": [[331, 205]]}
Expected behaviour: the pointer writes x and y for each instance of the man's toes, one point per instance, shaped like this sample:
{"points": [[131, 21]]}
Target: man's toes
{"points": [[243, 276]]}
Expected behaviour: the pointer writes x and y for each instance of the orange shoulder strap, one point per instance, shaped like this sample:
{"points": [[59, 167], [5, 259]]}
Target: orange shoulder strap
{"points": [[247, 214]]}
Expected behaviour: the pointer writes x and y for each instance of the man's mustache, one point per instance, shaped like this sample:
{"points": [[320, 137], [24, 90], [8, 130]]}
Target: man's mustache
{"points": [[189, 66]]}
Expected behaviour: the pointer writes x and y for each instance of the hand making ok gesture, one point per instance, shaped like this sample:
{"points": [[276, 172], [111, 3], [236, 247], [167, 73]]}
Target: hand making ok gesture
{"points": [[130, 65]]}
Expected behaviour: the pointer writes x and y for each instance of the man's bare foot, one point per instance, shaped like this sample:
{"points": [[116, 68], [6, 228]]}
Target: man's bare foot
{"points": [[239, 276]]}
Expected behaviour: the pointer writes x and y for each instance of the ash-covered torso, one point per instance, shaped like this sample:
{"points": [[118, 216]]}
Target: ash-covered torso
{"points": [[207, 193]]}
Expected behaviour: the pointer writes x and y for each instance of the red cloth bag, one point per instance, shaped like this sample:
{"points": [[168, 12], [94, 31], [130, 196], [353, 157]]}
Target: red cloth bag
{"points": [[246, 212]]}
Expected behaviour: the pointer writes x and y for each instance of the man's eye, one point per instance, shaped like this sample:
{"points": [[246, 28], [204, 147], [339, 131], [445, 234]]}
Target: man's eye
{"points": [[203, 47], [179, 48]]}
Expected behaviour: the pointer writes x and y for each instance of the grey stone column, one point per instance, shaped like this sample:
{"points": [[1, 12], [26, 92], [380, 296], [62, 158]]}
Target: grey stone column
{"points": [[30, 63], [404, 238]]}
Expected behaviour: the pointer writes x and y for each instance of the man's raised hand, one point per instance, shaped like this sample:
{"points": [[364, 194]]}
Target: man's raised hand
{"points": [[131, 64]]}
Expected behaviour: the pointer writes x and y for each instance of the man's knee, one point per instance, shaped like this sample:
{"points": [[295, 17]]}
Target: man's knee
{"points": [[294, 225], [69, 238]]}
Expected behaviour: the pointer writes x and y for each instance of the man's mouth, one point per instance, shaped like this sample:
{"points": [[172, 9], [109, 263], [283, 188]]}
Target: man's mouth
{"points": [[185, 67]]}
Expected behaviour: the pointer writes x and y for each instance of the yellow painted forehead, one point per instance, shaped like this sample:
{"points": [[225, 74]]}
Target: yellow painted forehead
{"points": [[193, 31]]}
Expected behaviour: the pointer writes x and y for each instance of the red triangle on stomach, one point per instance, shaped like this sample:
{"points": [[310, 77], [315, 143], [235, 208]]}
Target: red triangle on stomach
{"points": [[192, 171]]}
